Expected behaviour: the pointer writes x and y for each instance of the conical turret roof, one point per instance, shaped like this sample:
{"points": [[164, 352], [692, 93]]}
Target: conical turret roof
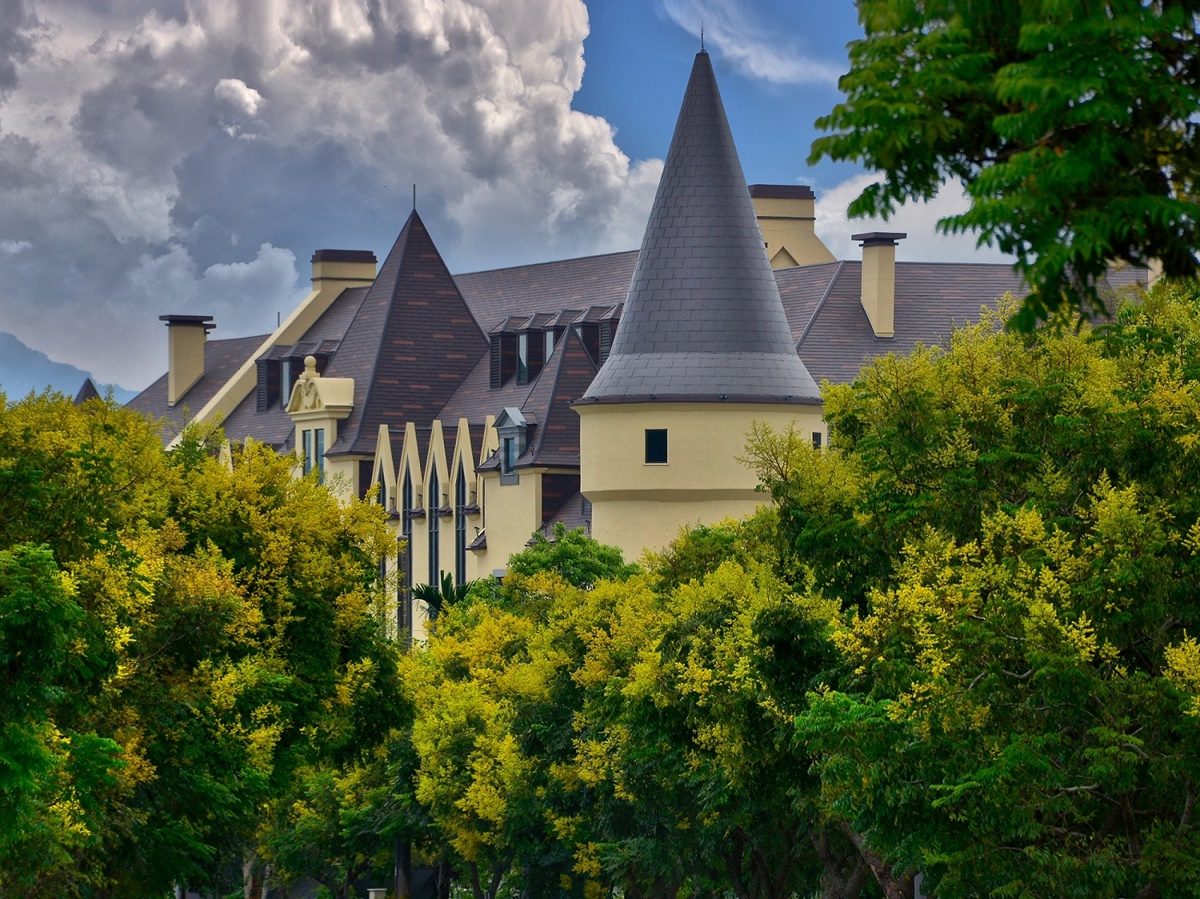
{"points": [[703, 321]]}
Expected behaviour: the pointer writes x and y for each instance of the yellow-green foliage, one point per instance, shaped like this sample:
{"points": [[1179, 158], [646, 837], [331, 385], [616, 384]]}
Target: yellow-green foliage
{"points": [[198, 621], [1016, 558]]}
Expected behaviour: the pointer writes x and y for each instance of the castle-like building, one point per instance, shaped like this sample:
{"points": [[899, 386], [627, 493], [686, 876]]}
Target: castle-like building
{"points": [[610, 392]]}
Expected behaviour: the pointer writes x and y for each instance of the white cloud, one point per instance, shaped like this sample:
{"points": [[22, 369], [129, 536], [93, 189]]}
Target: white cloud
{"points": [[753, 49], [918, 220], [140, 193], [237, 94]]}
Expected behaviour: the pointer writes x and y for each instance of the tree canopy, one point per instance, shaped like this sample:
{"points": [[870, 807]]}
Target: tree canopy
{"points": [[1011, 526], [1071, 125], [186, 647]]}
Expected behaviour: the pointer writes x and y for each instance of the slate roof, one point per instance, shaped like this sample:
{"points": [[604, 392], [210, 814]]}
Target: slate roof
{"points": [[547, 287], [703, 320], [554, 441], [412, 343], [834, 336], [222, 359], [275, 427], [87, 391]]}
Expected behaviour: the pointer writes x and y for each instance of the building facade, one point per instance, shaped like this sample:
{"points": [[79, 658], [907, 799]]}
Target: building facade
{"points": [[609, 392]]}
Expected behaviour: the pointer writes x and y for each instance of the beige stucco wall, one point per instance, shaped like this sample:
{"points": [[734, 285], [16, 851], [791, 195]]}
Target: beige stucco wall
{"points": [[636, 505], [788, 229], [511, 513]]}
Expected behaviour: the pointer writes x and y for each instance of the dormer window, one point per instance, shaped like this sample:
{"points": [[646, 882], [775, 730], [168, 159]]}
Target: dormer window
{"points": [[549, 343], [287, 381], [513, 431], [523, 357]]}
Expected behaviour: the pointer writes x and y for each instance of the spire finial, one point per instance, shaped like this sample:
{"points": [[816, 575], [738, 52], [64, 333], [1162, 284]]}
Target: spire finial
{"points": [[414, 198], [701, 35]]}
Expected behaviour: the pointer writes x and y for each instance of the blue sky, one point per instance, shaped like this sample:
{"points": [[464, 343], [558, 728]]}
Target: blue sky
{"points": [[189, 156], [638, 56]]}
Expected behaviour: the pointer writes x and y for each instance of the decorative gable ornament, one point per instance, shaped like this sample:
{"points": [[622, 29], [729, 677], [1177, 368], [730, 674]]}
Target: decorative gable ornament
{"points": [[316, 397]]}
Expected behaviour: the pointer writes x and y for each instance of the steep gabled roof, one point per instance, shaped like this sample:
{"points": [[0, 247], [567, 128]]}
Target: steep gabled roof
{"points": [[87, 391], [703, 320], [412, 343], [566, 377]]}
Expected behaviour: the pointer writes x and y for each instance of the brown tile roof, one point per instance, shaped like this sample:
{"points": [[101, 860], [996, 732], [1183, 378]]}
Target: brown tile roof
{"points": [[566, 376], [222, 359], [411, 345], [274, 427]]}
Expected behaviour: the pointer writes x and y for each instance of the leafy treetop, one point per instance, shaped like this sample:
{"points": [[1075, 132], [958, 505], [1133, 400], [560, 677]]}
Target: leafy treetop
{"points": [[1071, 125]]}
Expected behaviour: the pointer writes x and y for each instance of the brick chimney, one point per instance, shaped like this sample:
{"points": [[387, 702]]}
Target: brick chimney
{"points": [[186, 337], [879, 279]]}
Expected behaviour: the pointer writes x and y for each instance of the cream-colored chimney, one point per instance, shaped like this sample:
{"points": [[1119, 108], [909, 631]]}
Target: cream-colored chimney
{"points": [[356, 267], [786, 216], [186, 337], [879, 279]]}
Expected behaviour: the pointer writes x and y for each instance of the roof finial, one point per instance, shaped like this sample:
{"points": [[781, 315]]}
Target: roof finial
{"points": [[701, 35], [414, 198]]}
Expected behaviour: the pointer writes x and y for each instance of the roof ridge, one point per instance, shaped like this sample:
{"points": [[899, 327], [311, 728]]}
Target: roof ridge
{"points": [[509, 268], [837, 273]]}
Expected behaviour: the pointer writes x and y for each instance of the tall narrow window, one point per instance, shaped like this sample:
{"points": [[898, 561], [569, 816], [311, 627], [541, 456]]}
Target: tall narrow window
{"points": [[460, 528], [285, 382], [508, 456], [656, 446], [435, 493], [306, 448], [319, 453], [404, 603], [816, 439], [549, 342], [523, 358]]}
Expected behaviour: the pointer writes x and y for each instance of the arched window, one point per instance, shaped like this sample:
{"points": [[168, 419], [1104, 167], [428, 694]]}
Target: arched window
{"points": [[435, 495], [460, 528], [404, 599]]}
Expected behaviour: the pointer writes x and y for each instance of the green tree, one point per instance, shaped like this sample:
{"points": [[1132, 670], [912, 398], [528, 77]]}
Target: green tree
{"points": [[1071, 125], [174, 634], [1020, 519], [573, 555]]}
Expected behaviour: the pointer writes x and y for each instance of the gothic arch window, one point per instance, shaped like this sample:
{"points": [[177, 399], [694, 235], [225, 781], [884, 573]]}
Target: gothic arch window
{"points": [[435, 494], [404, 604], [460, 528]]}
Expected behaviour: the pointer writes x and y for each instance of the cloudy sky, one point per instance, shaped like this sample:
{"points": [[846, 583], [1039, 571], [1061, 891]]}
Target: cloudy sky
{"points": [[188, 156]]}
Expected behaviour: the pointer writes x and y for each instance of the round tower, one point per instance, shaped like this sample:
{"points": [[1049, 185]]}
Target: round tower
{"points": [[703, 349]]}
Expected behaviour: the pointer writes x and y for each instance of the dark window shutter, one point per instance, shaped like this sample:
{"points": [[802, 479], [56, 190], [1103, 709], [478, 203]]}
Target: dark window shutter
{"points": [[497, 374], [268, 384], [606, 336]]}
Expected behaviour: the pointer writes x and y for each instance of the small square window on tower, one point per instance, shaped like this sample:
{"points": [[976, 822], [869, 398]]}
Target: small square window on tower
{"points": [[656, 446]]}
